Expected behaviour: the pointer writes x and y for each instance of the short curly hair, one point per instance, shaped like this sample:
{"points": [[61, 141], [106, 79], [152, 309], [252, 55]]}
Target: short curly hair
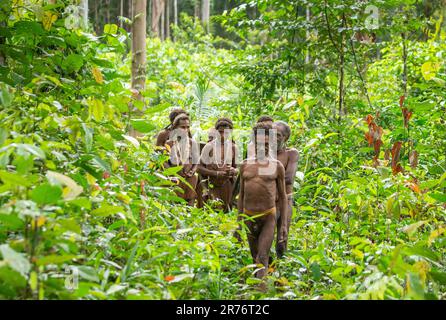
{"points": [[286, 127], [181, 116], [265, 118], [175, 112], [263, 128], [224, 121]]}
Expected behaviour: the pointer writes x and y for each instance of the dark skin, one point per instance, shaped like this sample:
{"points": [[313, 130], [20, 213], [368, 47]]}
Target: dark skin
{"points": [[288, 157], [162, 138], [188, 170], [258, 193], [221, 176]]}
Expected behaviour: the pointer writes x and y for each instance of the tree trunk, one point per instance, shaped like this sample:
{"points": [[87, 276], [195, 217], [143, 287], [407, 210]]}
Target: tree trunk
{"points": [[121, 12], [197, 9], [84, 14], [175, 12], [167, 20], [139, 46], [308, 18], [205, 13], [107, 4], [162, 24], [96, 17], [157, 11]]}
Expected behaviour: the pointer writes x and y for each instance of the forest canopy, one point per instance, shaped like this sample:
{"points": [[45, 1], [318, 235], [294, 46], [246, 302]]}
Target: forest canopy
{"points": [[88, 209]]}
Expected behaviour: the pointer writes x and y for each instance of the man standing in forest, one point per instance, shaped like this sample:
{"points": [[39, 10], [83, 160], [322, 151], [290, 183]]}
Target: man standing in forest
{"points": [[262, 188], [163, 136], [288, 157], [218, 163], [184, 151]]}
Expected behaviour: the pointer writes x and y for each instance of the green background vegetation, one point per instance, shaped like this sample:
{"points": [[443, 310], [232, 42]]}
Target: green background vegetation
{"points": [[77, 192]]}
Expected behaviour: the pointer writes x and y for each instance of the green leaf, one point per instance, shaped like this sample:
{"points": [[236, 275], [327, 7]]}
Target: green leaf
{"points": [[111, 28], [142, 125], [84, 203], [32, 149], [14, 179], [107, 210], [158, 108], [96, 109], [88, 137], [15, 260], [73, 63], [11, 221], [87, 273], [438, 276], [440, 197], [46, 194], [54, 259], [28, 28]]}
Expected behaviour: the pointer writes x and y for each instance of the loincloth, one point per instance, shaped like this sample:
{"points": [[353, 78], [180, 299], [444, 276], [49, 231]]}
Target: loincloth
{"points": [[262, 213]]}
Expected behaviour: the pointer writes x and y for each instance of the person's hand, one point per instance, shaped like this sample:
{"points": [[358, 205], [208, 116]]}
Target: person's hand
{"points": [[190, 173], [170, 143], [283, 235], [233, 172]]}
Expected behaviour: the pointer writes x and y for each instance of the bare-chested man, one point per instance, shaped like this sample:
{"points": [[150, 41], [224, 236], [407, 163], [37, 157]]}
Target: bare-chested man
{"points": [[163, 136], [262, 119], [218, 163], [184, 151], [262, 182], [288, 157]]}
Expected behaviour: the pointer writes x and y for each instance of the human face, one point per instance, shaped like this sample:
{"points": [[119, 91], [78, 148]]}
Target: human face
{"points": [[262, 144], [184, 125], [224, 131], [280, 135]]}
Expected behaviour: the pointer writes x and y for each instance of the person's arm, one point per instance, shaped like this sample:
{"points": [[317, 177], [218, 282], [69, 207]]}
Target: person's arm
{"points": [[290, 171], [202, 165], [283, 204], [162, 138], [240, 202], [234, 167], [195, 158]]}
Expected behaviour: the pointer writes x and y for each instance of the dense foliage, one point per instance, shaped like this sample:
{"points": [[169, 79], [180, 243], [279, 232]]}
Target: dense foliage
{"points": [[86, 210]]}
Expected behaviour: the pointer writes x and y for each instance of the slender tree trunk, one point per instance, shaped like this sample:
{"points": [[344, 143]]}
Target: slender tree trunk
{"points": [[84, 14], [139, 46], [2, 41], [205, 13], [157, 12], [107, 3], [341, 108], [197, 9], [175, 12], [162, 23], [96, 17], [121, 12], [308, 18], [403, 36], [167, 11]]}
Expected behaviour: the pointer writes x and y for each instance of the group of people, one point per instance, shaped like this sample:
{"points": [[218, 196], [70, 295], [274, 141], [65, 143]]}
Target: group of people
{"points": [[261, 186]]}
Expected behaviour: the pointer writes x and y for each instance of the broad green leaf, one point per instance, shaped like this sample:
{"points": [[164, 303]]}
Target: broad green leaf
{"points": [[107, 210], [54, 259], [73, 62], [429, 70], [87, 273], [46, 194], [142, 125], [14, 179], [33, 150]]}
